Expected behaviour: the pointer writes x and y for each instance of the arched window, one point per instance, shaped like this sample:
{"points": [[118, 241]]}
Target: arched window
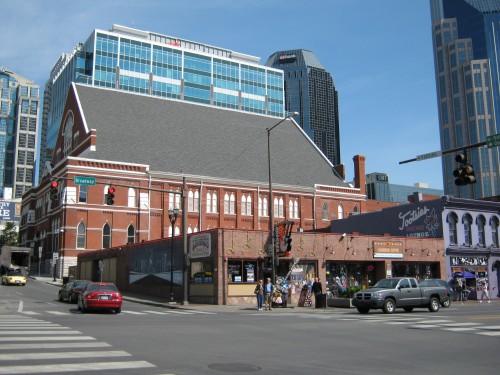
{"points": [[174, 200], [68, 135], [279, 210], [209, 202], [243, 205], [193, 201], [494, 230], [467, 222], [81, 234], [340, 213], [262, 206], [214, 203], [190, 230], [355, 209], [226, 203], [82, 193], [293, 208], [131, 197], [229, 203], [452, 228], [481, 223], [325, 211], [106, 236], [130, 234], [177, 231]]}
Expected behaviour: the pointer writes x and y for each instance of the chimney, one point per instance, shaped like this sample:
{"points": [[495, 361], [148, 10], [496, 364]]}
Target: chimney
{"points": [[359, 173]]}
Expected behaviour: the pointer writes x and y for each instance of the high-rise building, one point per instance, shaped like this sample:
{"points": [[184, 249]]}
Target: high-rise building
{"points": [[163, 66], [466, 40], [19, 110], [309, 90]]}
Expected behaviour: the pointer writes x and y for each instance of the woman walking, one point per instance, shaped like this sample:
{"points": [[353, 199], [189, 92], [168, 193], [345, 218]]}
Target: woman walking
{"points": [[259, 291]]}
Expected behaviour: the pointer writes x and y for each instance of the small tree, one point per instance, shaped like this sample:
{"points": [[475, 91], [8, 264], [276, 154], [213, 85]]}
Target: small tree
{"points": [[9, 236]]}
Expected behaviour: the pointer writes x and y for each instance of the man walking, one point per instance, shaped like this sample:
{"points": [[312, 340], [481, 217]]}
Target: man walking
{"points": [[483, 287]]}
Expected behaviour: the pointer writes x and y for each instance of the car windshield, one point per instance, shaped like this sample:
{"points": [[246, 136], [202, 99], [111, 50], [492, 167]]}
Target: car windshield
{"points": [[79, 284], [102, 287], [387, 283], [14, 273]]}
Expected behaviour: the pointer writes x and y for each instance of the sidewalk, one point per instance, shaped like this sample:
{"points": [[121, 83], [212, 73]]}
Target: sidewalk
{"points": [[162, 302]]}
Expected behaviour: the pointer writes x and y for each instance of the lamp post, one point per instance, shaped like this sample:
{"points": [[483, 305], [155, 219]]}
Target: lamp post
{"points": [[172, 215], [270, 204]]}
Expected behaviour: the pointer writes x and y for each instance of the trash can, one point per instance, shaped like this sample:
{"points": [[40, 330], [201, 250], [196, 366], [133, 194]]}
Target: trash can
{"points": [[320, 300]]}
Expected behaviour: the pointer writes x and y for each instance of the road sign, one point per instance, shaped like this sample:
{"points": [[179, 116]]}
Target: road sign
{"points": [[83, 180], [493, 140], [429, 155], [55, 256]]}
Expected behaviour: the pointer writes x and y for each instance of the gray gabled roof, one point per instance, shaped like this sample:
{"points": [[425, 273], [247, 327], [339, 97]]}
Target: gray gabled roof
{"points": [[178, 137]]}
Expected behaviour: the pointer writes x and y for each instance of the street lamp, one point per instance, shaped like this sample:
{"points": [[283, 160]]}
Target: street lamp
{"points": [[172, 215], [270, 205]]}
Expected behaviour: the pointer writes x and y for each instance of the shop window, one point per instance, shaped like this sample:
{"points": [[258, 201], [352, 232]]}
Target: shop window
{"points": [[452, 228], [202, 272], [241, 271]]}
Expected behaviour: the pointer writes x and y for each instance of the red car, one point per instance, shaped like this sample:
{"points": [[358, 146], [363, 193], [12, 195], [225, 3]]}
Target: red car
{"points": [[103, 296]]}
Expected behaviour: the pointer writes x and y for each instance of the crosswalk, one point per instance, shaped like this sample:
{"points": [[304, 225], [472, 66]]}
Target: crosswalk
{"points": [[433, 322], [47, 348], [172, 312]]}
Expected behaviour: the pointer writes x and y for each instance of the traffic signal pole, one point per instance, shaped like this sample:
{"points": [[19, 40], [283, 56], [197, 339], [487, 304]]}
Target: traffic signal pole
{"points": [[439, 153]]}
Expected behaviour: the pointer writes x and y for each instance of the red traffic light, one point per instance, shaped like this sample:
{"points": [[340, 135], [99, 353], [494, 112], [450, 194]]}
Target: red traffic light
{"points": [[111, 190], [54, 184]]}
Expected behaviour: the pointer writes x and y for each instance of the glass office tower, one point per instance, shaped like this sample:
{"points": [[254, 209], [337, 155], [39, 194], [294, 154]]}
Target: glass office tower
{"points": [[19, 106], [466, 42], [163, 66], [309, 90]]}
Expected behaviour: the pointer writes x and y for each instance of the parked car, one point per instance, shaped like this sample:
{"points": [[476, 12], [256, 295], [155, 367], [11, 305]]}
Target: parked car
{"points": [[102, 296], [439, 282], [70, 291], [14, 278]]}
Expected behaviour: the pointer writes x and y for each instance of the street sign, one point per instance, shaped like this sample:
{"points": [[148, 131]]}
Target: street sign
{"points": [[83, 180], [493, 140], [429, 155], [55, 256]]}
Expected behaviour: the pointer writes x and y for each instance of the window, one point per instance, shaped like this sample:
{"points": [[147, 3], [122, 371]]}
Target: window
{"points": [[452, 227], [278, 207], [106, 236], [229, 203], [246, 204], [81, 236], [130, 234], [82, 193], [293, 208], [467, 221], [262, 206], [176, 230], [242, 271], [211, 203], [193, 201], [340, 214], [68, 135], [202, 272], [481, 222], [131, 197], [325, 211], [494, 231], [174, 200]]}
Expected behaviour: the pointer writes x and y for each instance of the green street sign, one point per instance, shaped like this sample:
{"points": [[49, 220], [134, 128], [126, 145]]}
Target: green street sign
{"points": [[493, 140], [83, 180], [430, 155]]}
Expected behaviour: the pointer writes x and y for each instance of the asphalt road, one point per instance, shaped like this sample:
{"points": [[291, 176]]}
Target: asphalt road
{"points": [[38, 335]]}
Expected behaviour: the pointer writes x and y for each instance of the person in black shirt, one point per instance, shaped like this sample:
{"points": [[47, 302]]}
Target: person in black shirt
{"points": [[317, 288]]}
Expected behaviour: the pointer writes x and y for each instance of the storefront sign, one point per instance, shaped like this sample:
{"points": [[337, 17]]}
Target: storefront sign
{"points": [[200, 246], [10, 211], [469, 261], [388, 249]]}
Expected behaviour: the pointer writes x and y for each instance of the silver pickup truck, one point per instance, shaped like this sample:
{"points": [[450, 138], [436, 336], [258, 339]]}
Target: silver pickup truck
{"points": [[389, 294]]}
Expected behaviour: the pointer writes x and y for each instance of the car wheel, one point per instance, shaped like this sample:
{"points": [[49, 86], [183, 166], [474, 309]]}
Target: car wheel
{"points": [[446, 304], [408, 309], [434, 304], [118, 310], [389, 306], [363, 310]]}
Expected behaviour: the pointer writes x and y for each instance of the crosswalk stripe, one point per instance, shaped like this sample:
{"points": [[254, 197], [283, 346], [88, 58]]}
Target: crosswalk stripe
{"points": [[62, 345], [156, 312], [47, 338], [58, 312], [21, 328], [489, 333], [203, 312], [69, 367], [62, 355], [41, 333], [180, 312], [31, 313], [459, 329]]}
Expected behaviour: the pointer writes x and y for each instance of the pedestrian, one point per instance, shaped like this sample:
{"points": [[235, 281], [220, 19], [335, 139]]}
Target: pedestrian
{"points": [[483, 287], [268, 294], [317, 288], [259, 292]]}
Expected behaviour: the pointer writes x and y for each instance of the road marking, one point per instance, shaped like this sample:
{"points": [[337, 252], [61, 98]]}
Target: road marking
{"points": [[69, 367], [488, 333], [156, 312], [459, 329], [21, 328], [47, 338], [20, 307], [460, 324], [41, 333], [62, 355], [31, 313], [491, 327], [180, 312], [57, 312], [133, 312], [62, 345]]}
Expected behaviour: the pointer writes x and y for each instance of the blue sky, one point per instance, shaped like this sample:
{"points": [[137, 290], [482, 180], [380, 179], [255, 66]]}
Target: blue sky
{"points": [[378, 52]]}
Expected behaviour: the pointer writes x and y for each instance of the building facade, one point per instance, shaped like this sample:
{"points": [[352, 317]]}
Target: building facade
{"points": [[469, 230], [309, 90], [466, 40], [379, 188], [19, 116], [167, 67]]}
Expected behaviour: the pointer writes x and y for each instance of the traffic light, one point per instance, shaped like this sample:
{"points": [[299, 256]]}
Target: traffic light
{"points": [[54, 191], [110, 196], [465, 172]]}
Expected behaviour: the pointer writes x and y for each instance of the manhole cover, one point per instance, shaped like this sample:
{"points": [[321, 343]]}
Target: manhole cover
{"points": [[234, 367]]}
